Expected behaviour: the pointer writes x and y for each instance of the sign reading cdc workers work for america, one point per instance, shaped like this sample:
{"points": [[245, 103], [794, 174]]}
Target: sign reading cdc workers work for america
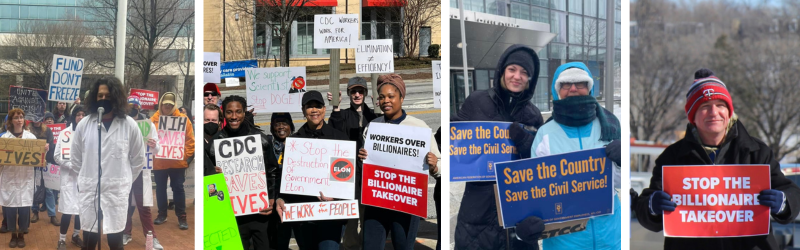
{"points": [[556, 188], [716, 201], [476, 146]]}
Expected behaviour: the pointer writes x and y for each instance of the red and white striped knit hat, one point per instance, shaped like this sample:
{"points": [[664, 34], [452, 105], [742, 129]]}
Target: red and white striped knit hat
{"points": [[706, 87]]}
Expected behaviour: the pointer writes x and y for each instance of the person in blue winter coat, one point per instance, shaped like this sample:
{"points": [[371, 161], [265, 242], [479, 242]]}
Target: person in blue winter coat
{"points": [[580, 123], [507, 101]]}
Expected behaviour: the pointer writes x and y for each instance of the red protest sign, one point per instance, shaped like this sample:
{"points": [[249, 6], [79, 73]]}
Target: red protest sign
{"points": [[148, 99], [56, 128], [395, 189], [716, 200]]}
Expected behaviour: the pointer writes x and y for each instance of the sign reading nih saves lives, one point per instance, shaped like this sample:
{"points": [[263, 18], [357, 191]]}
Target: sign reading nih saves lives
{"points": [[556, 188]]}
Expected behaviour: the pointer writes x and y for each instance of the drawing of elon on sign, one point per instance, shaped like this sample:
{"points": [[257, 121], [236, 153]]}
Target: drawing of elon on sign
{"points": [[298, 85]]}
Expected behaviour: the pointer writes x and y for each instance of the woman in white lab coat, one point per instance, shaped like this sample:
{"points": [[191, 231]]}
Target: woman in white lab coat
{"points": [[68, 200], [16, 184], [122, 159]]}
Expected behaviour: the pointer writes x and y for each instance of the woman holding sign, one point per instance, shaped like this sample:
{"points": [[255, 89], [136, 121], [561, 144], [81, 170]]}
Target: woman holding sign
{"points": [[509, 101], [68, 200], [16, 184], [380, 222], [252, 227]]}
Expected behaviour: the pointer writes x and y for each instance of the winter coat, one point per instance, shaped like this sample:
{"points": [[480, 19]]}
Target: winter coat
{"points": [[68, 200], [16, 182], [122, 159], [326, 132], [739, 148], [477, 226], [161, 164]]}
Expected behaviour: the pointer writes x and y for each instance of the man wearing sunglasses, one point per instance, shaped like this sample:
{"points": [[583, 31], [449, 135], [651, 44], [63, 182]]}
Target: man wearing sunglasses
{"points": [[211, 94], [352, 122]]}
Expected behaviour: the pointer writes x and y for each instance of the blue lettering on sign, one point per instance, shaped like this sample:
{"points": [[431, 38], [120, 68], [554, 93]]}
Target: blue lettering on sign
{"points": [[150, 156]]}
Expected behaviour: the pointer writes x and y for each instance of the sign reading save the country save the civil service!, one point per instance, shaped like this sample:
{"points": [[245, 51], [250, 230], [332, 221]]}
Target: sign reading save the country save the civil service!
{"points": [[716, 201], [476, 146], [556, 188]]}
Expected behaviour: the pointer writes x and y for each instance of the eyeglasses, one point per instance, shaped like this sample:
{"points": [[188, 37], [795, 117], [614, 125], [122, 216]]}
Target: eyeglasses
{"points": [[207, 94], [578, 85]]}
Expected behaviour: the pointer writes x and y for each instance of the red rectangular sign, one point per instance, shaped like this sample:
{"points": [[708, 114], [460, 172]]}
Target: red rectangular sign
{"points": [[716, 200], [395, 189], [148, 99], [56, 129]]}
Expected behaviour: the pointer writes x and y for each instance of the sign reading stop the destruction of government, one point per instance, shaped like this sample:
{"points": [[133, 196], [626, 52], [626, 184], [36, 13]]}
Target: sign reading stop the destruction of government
{"points": [[335, 31], [65, 79], [328, 210], [476, 146], [314, 166], [22, 152], [272, 90], [242, 162], [171, 137], [716, 200]]}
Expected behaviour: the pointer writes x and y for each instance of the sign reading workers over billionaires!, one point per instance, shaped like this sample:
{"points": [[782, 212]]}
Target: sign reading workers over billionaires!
{"points": [[242, 161], [395, 173], [476, 146], [314, 166], [716, 201], [556, 188]]}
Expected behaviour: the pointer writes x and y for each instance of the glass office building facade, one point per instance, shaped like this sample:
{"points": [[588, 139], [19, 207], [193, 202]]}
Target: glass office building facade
{"points": [[14, 13], [580, 36]]}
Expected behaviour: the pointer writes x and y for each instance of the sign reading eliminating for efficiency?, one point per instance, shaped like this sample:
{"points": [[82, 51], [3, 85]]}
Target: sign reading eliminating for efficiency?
{"points": [[374, 56], [335, 31]]}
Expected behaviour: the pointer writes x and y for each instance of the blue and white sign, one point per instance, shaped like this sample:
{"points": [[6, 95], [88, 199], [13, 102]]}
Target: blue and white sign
{"points": [[476, 146], [236, 68]]}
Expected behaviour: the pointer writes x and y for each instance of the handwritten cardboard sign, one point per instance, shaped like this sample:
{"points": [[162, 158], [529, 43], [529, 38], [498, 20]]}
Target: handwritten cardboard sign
{"points": [[398, 146], [335, 31], [329, 210], [171, 137], [476, 146], [271, 90], [437, 83], [52, 176], [147, 99], [311, 166], [716, 200], [211, 67], [65, 79], [556, 188], [32, 101], [22, 152], [242, 161], [56, 129], [374, 56]]}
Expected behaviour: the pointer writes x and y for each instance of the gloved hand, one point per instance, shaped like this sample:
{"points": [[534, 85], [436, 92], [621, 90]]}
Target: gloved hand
{"points": [[522, 139], [659, 202], [613, 152], [530, 230], [773, 199]]}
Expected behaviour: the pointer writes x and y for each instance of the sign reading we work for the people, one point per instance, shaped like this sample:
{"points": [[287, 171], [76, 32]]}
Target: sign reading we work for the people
{"points": [[242, 161]]}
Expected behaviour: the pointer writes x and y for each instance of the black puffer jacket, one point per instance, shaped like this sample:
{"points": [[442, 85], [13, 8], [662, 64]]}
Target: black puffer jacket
{"points": [[738, 148], [477, 226]]}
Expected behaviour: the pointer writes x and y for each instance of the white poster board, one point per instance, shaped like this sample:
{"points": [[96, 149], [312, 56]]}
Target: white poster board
{"points": [[271, 90], [398, 146], [66, 143], [437, 83], [211, 67], [242, 162], [52, 177], [374, 56], [171, 137], [328, 210], [65, 79], [335, 31], [311, 166], [232, 82]]}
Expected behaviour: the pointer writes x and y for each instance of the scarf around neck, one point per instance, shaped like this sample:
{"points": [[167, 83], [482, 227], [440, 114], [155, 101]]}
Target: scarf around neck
{"points": [[576, 111]]}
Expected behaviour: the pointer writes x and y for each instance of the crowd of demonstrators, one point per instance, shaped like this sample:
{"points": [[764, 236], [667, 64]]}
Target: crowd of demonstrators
{"points": [[716, 136], [42, 132], [265, 230]]}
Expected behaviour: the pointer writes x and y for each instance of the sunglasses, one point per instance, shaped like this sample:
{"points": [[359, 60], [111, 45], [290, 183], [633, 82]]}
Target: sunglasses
{"points": [[207, 94], [578, 85]]}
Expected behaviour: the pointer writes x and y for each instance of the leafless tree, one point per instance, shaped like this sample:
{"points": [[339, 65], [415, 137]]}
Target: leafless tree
{"points": [[415, 14], [185, 63], [37, 42]]}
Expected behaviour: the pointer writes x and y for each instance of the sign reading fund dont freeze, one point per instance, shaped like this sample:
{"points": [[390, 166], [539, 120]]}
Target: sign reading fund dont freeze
{"points": [[242, 162], [476, 146], [65, 79], [272, 90], [171, 137], [398, 146], [556, 188], [311, 166], [374, 56], [716, 201], [437, 83], [335, 31]]}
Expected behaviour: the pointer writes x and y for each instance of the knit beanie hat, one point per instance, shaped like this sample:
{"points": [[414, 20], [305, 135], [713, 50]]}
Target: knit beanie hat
{"points": [[706, 87], [521, 58], [133, 99]]}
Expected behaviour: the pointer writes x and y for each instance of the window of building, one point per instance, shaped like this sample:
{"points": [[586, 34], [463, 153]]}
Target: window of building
{"points": [[559, 5], [575, 53], [520, 11], [539, 15], [576, 6], [558, 25], [474, 5], [575, 29], [590, 8], [601, 9]]}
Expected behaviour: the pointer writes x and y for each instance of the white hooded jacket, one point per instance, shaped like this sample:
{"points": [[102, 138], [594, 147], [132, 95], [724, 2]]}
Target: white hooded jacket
{"points": [[16, 182], [122, 159]]}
